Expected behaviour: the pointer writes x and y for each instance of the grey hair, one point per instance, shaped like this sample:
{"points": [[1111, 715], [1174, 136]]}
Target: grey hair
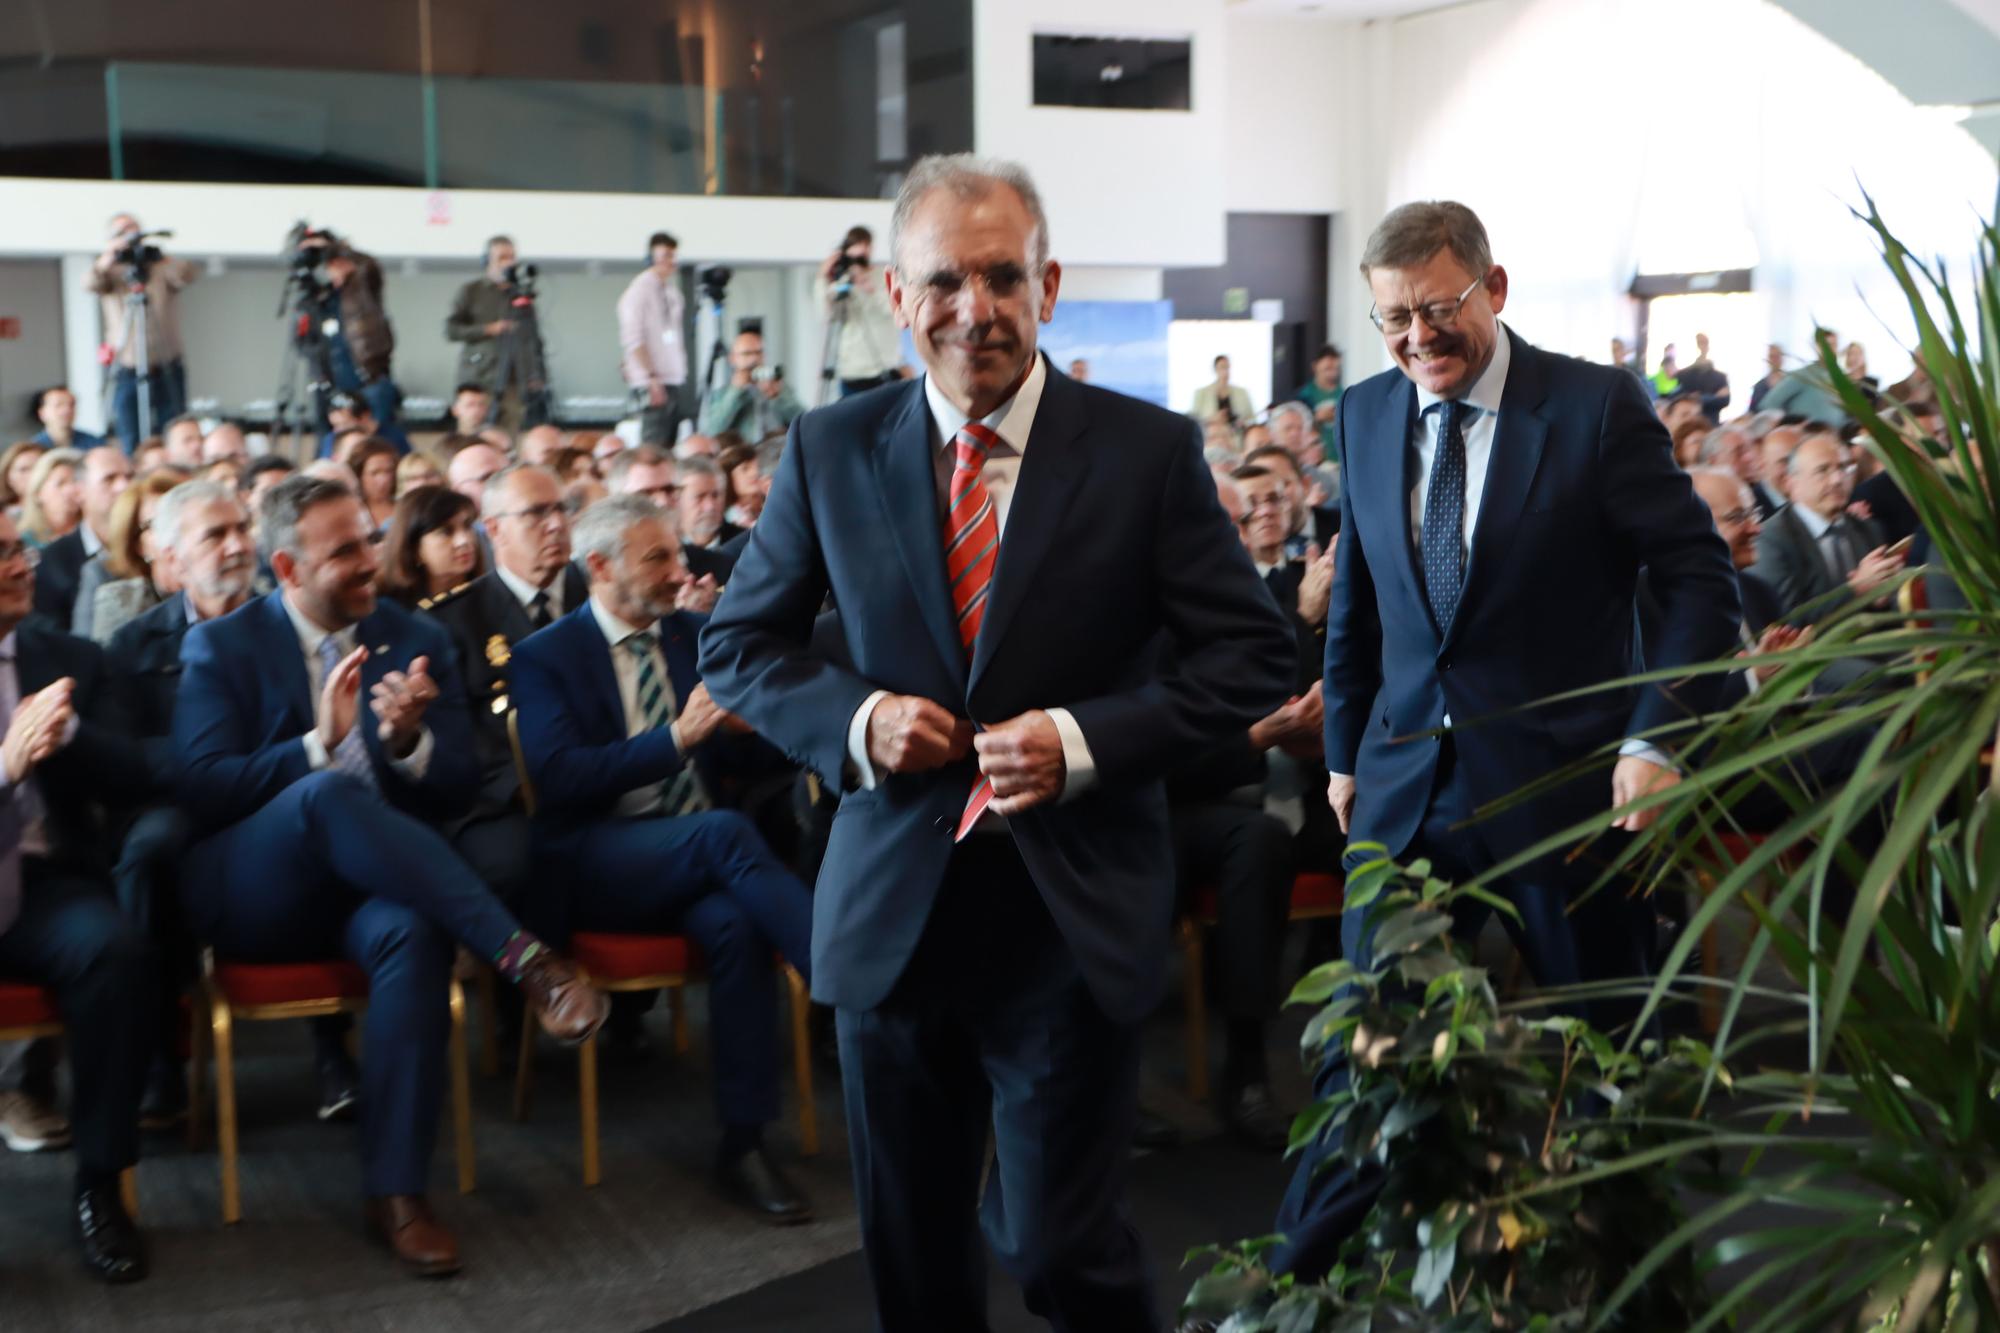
{"points": [[1719, 473], [1716, 442], [1292, 407], [700, 465], [1412, 233], [489, 494], [1220, 455], [968, 176], [1760, 425], [769, 454], [175, 504], [622, 463], [286, 503], [601, 529]]}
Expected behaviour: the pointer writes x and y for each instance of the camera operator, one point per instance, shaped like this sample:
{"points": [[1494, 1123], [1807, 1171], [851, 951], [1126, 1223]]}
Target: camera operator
{"points": [[870, 350], [128, 262], [358, 336], [652, 351], [481, 315], [757, 401]]}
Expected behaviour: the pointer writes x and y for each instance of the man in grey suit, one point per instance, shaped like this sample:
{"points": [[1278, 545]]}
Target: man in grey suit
{"points": [[1814, 545]]}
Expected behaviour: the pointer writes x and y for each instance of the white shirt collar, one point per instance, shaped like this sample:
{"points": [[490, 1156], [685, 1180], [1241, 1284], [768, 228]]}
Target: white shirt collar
{"points": [[1486, 391], [1815, 525], [616, 631], [7, 645], [92, 543], [1011, 421], [524, 591], [310, 635]]}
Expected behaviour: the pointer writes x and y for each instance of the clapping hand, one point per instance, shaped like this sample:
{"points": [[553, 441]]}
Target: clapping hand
{"points": [[1316, 587], [1876, 568], [398, 701], [1776, 638], [338, 696], [698, 595], [38, 729]]}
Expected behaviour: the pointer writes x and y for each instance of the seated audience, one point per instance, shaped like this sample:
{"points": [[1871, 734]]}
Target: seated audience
{"points": [[59, 923], [1739, 448], [414, 470], [106, 472], [651, 471], [225, 442], [124, 579], [1311, 522], [471, 409], [350, 412], [626, 751], [374, 461], [262, 475], [432, 547], [56, 409], [1775, 449], [572, 465], [743, 488], [182, 438], [312, 814], [1675, 408], [470, 468], [1687, 437], [1814, 545], [16, 466], [54, 500], [540, 444]]}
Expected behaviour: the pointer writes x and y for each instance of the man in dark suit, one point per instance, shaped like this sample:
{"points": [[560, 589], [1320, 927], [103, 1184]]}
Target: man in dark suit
{"points": [[1814, 546], [626, 751], [1007, 549], [652, 472], [59, 924], [314, 840], [106, 471], [1498, 504]]}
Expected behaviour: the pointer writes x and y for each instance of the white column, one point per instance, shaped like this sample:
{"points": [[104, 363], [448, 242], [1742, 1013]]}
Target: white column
{"points": [[81, 337]]}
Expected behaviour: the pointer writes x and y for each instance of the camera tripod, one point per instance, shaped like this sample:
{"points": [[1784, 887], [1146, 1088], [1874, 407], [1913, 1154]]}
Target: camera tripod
{"points": [[718, 352], [305, 373], [138, 310], [523, 361], [829, 357]]}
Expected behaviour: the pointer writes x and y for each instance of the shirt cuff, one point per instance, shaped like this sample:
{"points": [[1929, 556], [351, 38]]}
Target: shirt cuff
{"points": [[417, 762], [1652, 754], [316, 755], [857, 740], [1081, 768]]}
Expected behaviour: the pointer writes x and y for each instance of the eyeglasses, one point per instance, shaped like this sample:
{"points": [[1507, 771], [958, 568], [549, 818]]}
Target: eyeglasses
{"points": [[1436, 314], [663, 494], [1738, 517], [20, 551], [1826, 470], [535, 514]]}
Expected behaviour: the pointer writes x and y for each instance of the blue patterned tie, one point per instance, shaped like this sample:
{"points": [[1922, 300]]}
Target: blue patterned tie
{"points": [[351, 755], [1444, 518], [685, 794]]}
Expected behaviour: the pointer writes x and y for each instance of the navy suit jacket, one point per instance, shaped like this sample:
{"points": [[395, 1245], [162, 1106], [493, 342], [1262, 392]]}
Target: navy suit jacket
{"points": [[99, 764], [1115, 538], [573, 726], [1581, 491], [246, 702], [144, 661]]}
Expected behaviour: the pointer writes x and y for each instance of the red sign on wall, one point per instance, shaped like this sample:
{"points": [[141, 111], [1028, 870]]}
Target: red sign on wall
{"points": [[10, 327]]}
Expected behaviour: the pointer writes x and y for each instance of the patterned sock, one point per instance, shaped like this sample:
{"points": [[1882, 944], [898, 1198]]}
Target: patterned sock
{"points": [[520, 949]]}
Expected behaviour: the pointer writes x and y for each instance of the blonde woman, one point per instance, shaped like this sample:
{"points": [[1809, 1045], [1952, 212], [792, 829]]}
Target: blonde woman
{"points": [[125, 579], [52, 505], [16, 465], [416, 469]]}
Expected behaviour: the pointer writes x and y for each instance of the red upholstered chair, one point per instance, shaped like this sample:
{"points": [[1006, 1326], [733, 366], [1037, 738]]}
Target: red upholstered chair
{"points": [[262, 992], [1313, 896], [617, 962], [28, 1011]]}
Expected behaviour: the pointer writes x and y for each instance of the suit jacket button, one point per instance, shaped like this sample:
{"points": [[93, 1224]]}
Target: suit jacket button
{"points": [[942, 823]]}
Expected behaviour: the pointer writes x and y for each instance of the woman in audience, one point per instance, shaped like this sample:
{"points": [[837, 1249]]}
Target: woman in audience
{"points": [[744, 496], [416, 470], [374, 461], [124, 580], [432, 546], [52, 505], [15, 466], [573, 465], [1687, 440]]}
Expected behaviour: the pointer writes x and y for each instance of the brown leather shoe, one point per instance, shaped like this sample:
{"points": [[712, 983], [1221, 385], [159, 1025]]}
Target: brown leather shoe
{"points": [[571, 1010], [405, 1223]]}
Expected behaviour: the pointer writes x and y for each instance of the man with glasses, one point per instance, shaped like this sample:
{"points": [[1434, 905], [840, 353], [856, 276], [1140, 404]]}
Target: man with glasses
{"points": [[652, 472], [1498, 503], [1814, 546]]}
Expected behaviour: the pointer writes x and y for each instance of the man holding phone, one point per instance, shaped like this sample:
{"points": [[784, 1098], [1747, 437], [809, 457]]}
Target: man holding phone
{"points": [[756, 402], [1816, 544]]}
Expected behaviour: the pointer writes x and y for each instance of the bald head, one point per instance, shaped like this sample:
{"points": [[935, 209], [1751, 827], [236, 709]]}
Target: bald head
{"points": [[540, 445], [471, 466], [1820, 478]]}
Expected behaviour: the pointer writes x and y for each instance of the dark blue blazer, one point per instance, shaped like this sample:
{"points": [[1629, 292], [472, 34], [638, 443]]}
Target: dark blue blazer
{"points": [[573, 722], [245, 703], [1115, 539], [1581, 492]]}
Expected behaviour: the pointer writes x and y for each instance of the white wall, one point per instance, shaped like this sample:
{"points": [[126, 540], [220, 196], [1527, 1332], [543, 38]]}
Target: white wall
{"points": [[32, 360], [1120, 187], [1284, 143]]}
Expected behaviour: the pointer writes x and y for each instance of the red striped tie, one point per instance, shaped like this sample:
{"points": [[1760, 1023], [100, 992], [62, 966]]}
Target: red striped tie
{"points": [[971, 550]]}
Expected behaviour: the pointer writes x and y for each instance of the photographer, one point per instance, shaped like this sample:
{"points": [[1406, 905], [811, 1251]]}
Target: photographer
{"points": [[757, 401], [851, 289], [129, 266], [480, 316], [652, 352], [359, 338]]}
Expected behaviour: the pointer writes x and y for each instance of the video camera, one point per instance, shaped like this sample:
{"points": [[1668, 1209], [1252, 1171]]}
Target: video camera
{"points": [[714, 282], [521, 277], [305, 263], [139, 257]]}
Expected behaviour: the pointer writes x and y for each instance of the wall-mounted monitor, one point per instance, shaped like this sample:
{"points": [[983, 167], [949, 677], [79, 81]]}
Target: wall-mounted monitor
{"points": [[1122, 73]]}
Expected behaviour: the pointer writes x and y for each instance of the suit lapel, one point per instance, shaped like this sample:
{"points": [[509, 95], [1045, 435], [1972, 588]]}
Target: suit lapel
{"points": [[1052, 470], [1510, 470], [600, 677], [1389, 494], [905, 471]]}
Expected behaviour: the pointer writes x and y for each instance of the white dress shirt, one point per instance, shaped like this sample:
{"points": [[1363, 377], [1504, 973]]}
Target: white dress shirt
{"points": [[640, 800], [1012, 421], [525, 592], [412, 765]]}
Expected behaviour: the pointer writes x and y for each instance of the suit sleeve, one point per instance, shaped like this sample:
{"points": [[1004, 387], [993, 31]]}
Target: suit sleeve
{"points": [[1353, 662], [226, 775], [107, 756], [1651, 504], [1231, 651], [125, 710], [450, 779], [461, 325], [756, 652], [1779, 564], [570, 772]]}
